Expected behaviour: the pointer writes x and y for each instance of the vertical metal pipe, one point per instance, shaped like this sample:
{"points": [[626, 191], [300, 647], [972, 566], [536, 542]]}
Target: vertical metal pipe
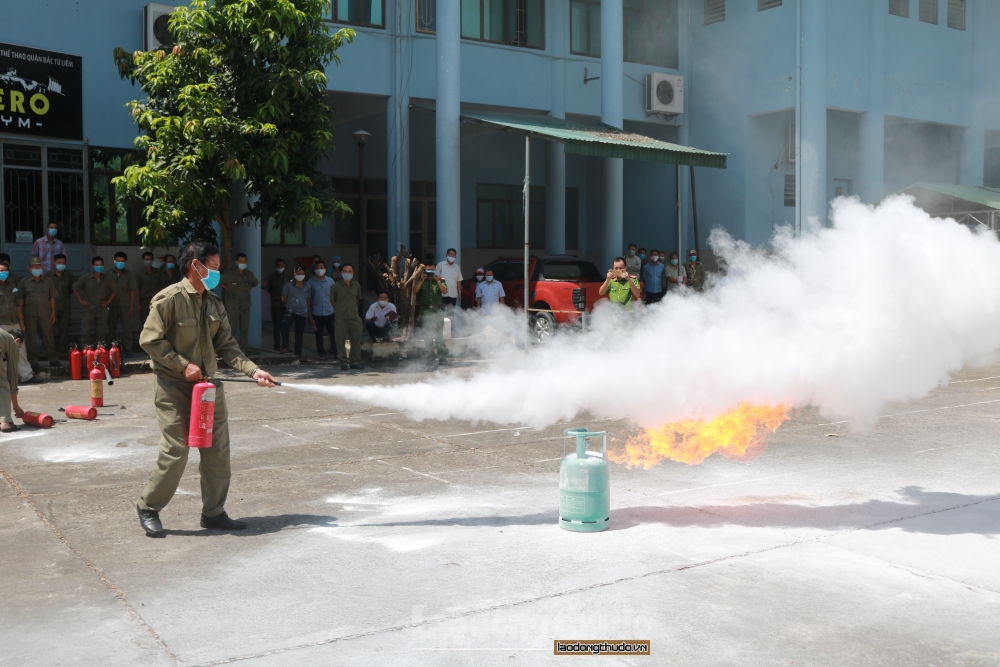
{"points": [[680, 220], [527, 229], [362, 271], [694, 213]]}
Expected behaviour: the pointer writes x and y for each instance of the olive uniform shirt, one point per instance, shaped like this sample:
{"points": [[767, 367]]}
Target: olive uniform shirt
{"points": [[275, 284], [149, 285], [95, 291], [695, 275], [168, 279], [9, 294], [429, 296], [64, 287], [125, 282], [620, 292], [185, 327], [345, 300], [35, 295], [9, 355], [238, 287]]}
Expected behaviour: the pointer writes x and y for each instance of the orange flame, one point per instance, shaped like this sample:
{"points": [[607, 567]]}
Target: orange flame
{"points": [[741, 433]]}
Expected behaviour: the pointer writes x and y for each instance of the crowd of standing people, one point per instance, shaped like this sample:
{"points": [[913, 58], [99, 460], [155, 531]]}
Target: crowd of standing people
{"points": [[637, 276]]}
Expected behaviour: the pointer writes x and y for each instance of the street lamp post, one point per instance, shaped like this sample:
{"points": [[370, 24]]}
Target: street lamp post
{"points": [[361, 137]]}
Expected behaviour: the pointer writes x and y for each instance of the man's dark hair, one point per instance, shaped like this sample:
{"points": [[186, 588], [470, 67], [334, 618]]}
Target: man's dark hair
{"points": [[17, 334], [451, 250], [316, 264], [97, 258], [278, 260], [673, 253], [641, 248], [344, 267], [241, 255], [618, 259], [631, 245], [122, 255], [198, 250], [60, 256], [5, 256], [166, 257], [147, 254], [299, 267], [382, 291]]}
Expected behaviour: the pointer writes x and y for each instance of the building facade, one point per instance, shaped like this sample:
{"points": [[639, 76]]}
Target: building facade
{"points": [[811, 98]]}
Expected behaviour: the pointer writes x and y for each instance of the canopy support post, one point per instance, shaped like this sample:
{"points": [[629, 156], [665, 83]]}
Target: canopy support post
{"points": [[527, 212], [694, 214]]}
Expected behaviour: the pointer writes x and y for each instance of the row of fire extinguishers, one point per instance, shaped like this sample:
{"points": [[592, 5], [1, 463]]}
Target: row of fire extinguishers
{"points": [[100, 364]]}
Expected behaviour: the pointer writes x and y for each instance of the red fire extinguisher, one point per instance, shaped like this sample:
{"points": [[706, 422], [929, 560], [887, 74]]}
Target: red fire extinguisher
{"points": [[75, 363], [88, 361], [202, 415], [37, 419], [97, 387], [115, 360], [81, 412], [102, 356]]}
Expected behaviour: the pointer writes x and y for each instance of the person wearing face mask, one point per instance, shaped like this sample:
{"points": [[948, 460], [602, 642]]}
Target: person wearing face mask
{"points": [[345, 297], [187, 329], [321, 313], [169, 273], [653, 278], [695, 271], [676, 276], [275, 285], [451, 273], [95, 292], [335, 268], [11, 345], [642, 258], [632, 262], [380, 318], [489, 293], [295, 296], [125, 305], [430, 315], [236, 285], [36, 310], [149, 284], [10, 292], [63, 281], [5, 259], [47, 247]]}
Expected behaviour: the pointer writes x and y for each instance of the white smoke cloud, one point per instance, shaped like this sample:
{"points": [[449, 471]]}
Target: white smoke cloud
{"points": [[880, 307]]}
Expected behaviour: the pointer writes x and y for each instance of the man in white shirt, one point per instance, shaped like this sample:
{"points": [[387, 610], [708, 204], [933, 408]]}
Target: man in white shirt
{"points": [[489, 293], [380, 318], [451, 274]]}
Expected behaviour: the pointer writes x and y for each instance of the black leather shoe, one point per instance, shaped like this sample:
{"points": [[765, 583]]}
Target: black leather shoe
{"points": [[150, 522], [222, 522]]}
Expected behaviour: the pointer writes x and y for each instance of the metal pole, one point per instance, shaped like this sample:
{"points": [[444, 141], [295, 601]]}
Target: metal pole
{"points": [[527, 212], [694, 213], [680, 240], [363, 241]]}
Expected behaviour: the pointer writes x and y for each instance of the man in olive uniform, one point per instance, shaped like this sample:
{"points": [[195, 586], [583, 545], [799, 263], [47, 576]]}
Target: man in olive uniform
{"points": [[10, 352], [63, 281], [169, 273], [36, 308], [345, 295], [95, 292], [695, 271], [430, 312], [10, 292], [275, 284], [236, 286], [148, 282], [187, 327], [124, 306]]}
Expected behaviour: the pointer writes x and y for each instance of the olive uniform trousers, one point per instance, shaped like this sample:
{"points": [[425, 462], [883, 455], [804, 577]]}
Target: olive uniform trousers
{"points": [[348, 328], [172, 399], [61, 331], [23, 367], [35, 324], [94, 316], [6, 409], [239, 315], [119, 313], [431, 322]]}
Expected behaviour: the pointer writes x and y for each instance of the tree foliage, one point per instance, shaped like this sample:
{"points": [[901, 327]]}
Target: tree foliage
{"points": [[239, 102]]}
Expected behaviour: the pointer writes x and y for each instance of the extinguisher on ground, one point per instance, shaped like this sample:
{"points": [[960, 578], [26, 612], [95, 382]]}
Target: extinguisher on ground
{"points": [[75, 363], [202, 415]]}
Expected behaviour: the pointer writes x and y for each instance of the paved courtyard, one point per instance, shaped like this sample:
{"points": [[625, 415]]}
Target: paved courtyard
{"points": [[376, 540]]}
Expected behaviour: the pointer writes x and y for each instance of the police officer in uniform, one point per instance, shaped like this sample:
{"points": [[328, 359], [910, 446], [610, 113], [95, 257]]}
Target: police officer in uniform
{"points": [[236, 285], [63, 281], [10, 352], [125, 304], [275, 285], [148, 282], [9, 294], [345, 295], [36, 308], [95, 292], [187, 327]]}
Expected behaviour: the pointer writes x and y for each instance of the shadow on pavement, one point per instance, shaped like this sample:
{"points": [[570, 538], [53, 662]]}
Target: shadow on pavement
{"points": [[262, 525]]}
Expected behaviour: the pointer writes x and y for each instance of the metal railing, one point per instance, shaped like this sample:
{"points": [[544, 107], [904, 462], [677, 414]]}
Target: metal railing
{"points": [[989, 219]]}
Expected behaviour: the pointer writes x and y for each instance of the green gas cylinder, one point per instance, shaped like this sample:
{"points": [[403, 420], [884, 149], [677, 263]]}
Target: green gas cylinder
{"points": [[585, 484]]}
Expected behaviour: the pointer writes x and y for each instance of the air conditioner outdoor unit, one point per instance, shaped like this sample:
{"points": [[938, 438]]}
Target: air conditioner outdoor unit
{"points": [[154, 20], [664, 94]]}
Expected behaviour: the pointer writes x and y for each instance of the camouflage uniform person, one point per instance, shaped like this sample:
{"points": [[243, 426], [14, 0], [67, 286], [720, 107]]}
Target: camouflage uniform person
{"points": [[10, 292], [275, 284], [345, 295], [95, 292], [695, 271], [10, 352], [123, 307], [148, 282], [63, 281], [236, 286], [430, 312], [187, 327], [36, 308]]}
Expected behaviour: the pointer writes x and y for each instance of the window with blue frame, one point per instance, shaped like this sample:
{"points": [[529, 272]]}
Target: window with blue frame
{"points": [[585, 27], [512, 22], [366, 13]]}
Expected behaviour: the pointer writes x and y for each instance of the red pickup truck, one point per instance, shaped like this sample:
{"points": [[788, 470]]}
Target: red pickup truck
{"points": [[563, 283]]}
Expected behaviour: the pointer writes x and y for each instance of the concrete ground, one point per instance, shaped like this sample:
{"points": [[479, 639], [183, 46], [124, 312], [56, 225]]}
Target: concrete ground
{"points": [[375, 540]]}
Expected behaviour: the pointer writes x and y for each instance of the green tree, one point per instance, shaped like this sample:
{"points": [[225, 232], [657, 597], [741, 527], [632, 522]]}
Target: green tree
{"points": [[240, 102]]}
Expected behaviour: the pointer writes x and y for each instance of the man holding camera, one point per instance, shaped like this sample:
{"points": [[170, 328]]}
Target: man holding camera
{"points": [[619, 286]]}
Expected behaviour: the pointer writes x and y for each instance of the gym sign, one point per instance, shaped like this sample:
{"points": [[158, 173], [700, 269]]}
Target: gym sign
{"points": [[41, 93]]}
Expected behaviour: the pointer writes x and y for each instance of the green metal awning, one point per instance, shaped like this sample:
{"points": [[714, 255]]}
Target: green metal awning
{"points": [[597, 140], [988, 197]]}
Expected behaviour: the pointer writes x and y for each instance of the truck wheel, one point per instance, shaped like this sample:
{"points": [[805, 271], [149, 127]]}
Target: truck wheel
{"points": [[543, 326]]}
